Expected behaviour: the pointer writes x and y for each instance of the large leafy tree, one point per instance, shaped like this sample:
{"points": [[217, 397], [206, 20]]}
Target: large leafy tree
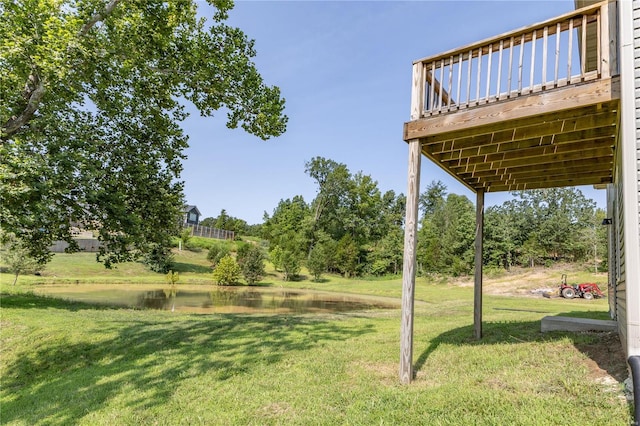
{"points": [[445, 239], [286, 227], [559, 215], [93, 92]]}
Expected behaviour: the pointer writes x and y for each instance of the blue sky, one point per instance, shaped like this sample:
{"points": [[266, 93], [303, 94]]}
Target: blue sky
{"points": [[344, 68]]}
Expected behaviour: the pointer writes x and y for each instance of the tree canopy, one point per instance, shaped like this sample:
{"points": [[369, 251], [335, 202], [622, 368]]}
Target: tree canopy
{"points": [[93, 93], [352, 228]]}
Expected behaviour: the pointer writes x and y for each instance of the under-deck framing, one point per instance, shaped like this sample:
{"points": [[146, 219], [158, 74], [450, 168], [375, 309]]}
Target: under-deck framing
{"points": [[537, 107]]}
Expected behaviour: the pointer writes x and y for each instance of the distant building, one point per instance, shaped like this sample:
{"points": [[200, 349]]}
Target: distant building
{"points": [[191, 215]]}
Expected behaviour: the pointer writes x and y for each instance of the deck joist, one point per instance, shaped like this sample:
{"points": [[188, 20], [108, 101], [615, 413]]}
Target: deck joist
{"points": [[560, 137]]}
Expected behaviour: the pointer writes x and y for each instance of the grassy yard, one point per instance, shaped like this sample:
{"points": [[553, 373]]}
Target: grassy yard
{"points": [[65, 363]]}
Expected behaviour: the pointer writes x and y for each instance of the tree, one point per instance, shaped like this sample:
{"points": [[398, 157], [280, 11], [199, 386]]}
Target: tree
{"points": [[251, 261], [333, 181], [17, 257], [216, 252], [223, 221], [500, 234], [286, 227], [275, 255], [445, 239], [227, 272], [92, 93], [158, 258], [347, 256], [185, 236], [290, 265], [557, 217], [317, 262]]}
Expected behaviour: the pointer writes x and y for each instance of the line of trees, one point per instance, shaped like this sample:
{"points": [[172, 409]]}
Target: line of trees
{"points": [[354, 229]]}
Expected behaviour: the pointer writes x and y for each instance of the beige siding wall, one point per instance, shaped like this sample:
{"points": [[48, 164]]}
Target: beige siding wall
{"points": [[636, 54], [616, 203], [618, 271], [633, 305]]}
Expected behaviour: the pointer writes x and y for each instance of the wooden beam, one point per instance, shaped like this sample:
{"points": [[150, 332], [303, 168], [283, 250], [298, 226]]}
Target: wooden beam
{"points": [[417, 91], [569, 97], [558, 143], [534, 170], [507, 175], [409, 263], [508, 132], [541, 161], [477, 285], [591, 180]]}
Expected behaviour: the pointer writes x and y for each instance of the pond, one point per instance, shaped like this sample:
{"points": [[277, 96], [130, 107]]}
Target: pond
{"points": [[217, 299]]}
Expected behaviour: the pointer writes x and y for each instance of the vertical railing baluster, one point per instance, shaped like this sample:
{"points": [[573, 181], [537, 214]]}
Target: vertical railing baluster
{"points": [[520, 65], [441, 84], [478, 76], [583, 59], [450, 82], [533, 60], [499, 68], [469, 77], [545, 40], [459, 80], [486, 95], [510, 69], [432, 88], [570, 53], [605, 39], [555, 75], [598, 46]]}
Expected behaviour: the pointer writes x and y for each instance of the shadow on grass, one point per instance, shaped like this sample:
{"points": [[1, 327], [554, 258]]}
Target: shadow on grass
{"points": [[190, 267], [143, 358], [37, 301], [603, 348]]}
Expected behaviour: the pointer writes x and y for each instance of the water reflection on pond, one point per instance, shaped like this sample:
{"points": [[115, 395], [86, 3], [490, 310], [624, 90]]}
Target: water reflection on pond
{"points": [[219, 299]]}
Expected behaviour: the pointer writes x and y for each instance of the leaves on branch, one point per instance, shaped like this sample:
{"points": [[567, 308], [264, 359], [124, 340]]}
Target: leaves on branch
{"points": [[93, 95]]}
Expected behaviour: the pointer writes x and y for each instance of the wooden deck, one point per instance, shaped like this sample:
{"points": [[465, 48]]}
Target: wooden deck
{"points": [[530, 113], [534, 108]]}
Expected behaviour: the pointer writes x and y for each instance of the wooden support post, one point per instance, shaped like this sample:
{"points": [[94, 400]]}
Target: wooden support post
{"points": [[409, 263], [477, 286]]}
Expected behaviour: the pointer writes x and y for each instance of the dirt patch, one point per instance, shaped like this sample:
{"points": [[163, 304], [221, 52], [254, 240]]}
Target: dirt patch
{"points": [[605, 359], [530, 282]]}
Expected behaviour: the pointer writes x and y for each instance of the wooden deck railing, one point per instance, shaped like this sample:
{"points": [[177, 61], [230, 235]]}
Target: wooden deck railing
{"points": [[207, 232], [567, 50]]}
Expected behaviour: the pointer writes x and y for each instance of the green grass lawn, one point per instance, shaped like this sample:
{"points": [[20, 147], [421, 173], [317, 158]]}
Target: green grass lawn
{"points": [[65, 362]]}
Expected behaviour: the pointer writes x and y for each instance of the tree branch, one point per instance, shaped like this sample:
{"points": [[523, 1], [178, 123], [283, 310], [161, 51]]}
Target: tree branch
{"points": [[33, 92], [34, 88], [98, 17]]}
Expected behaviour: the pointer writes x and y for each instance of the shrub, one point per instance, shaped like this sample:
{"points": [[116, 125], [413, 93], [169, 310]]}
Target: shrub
{"points": [[379, 267], [216, 253], [242, 250], [227, 272], [185, 236], [276, 258], [251, 262]]}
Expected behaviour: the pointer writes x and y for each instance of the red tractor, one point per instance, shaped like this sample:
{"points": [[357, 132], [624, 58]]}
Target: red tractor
{"points": [[585, 290]]}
